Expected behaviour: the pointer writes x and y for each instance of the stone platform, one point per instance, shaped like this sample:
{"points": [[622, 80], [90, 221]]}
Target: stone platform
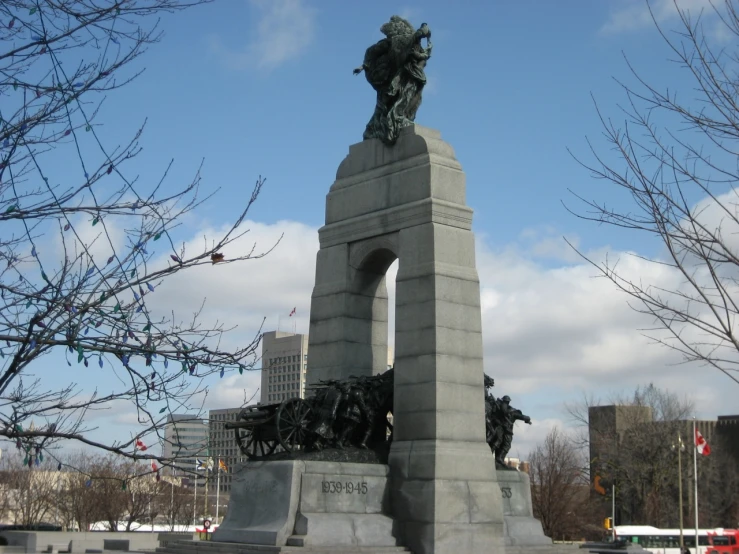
{"points": [[210, 547], [520, 528], [309, 504], [319, 506]]}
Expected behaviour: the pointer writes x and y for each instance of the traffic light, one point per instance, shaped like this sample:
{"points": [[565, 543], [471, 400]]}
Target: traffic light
{"points": [[608, 523]]}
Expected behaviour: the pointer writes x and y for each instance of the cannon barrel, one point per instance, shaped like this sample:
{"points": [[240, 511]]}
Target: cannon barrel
{"points": [[323, 384], [246, 424]]}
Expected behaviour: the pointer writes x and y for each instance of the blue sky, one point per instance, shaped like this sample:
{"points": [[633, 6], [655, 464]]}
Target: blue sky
{"points": [[266, 87], [510, 88]]}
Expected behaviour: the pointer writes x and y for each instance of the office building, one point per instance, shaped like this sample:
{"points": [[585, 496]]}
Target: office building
{"points": [[185, 439], [284, 363], [223, 446]]}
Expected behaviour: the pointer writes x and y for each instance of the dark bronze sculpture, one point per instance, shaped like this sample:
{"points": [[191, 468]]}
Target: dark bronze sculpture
{"points": [[352, 413], [395, 69], [355, 414], [500, 418], [325, 408]]}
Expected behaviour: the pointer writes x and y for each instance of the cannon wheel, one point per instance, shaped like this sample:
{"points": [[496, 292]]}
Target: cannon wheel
{"points": [[251, 445], [292, 419]]}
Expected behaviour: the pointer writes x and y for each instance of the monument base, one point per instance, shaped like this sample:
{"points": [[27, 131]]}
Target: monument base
{"points": [[309, 503], [317, 506], [210, 547], [520, 526]]}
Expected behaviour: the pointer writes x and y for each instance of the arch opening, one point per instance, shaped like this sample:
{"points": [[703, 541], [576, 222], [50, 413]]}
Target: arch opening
{"points": [[371, 284]]}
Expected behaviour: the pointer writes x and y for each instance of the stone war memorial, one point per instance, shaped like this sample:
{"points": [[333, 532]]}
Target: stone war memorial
{"points": [[377, 460]]}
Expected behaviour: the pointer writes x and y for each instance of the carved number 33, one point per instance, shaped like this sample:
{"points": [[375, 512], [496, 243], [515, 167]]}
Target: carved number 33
{"points": [[506, 492]]}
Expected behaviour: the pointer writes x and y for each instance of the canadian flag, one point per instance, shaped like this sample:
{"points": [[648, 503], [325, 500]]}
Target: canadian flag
{"points": [[701, 444], [140, 445], [154, 466], [293, 312]]}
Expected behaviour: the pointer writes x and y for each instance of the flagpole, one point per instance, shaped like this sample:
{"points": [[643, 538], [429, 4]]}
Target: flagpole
{"points": [[205, 502], [613, 510], [680, 488], [208, 468], [195, 500], [171, 501], [56, 504], [218, 490], [695, 481]]}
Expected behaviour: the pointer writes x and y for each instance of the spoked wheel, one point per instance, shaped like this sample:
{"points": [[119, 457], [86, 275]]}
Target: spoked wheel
{"points": [[253, 446], [292, 419]]}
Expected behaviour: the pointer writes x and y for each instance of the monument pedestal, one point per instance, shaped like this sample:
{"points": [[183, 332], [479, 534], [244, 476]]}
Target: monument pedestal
{"points": [[345, 508], [309, 504], [520, 526]]}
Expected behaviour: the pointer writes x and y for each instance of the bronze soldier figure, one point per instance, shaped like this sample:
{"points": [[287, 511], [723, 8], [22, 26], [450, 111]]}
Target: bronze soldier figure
{"points": [[504, 417], [327, 403], [353, 414]]}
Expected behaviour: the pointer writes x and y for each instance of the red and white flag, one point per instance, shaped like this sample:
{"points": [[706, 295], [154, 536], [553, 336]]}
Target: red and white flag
{"points": [[701, 444], [293, 312], [140, 445]]}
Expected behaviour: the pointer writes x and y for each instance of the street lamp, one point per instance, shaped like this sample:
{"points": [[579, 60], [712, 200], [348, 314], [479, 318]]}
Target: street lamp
{"points": [[680, 447]]}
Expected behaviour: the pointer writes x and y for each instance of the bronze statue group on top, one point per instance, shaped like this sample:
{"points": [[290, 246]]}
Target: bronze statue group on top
{"points": [[354, 413], [394, 67]]}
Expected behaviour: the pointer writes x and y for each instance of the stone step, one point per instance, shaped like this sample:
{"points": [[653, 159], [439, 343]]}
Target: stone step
{"points": [[210, 547], [299, 541]]}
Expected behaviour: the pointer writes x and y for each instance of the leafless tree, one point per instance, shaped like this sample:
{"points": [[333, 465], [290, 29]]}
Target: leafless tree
{"points": [[76, 503], [174, 504], [559, 487], [632, 446], [126, 492], [111, 489], [83, 244], [4, 501], [30, 494], [718, 477], [678, 173]]}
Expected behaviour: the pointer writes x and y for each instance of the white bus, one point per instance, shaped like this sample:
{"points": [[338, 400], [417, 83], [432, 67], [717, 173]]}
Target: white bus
{"points": [[665, 541]]}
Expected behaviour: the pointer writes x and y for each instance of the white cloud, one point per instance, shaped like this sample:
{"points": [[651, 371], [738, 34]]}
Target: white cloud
{"points": [[284, 30], [243, 294], [548, 322], [234, 391], [631, 15], [551, 330]]}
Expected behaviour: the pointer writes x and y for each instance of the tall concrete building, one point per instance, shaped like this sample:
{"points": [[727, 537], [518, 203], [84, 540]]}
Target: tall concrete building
{"points": [[607, 426], [185, 438], [284, 362]]}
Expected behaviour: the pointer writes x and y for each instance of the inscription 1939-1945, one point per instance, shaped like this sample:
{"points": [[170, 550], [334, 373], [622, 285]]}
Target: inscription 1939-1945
{"points": [[346, 487]]}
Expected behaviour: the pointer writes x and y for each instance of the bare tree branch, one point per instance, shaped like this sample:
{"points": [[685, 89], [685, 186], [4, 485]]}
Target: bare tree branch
{"points": [[677, 166], [83, 245]]}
